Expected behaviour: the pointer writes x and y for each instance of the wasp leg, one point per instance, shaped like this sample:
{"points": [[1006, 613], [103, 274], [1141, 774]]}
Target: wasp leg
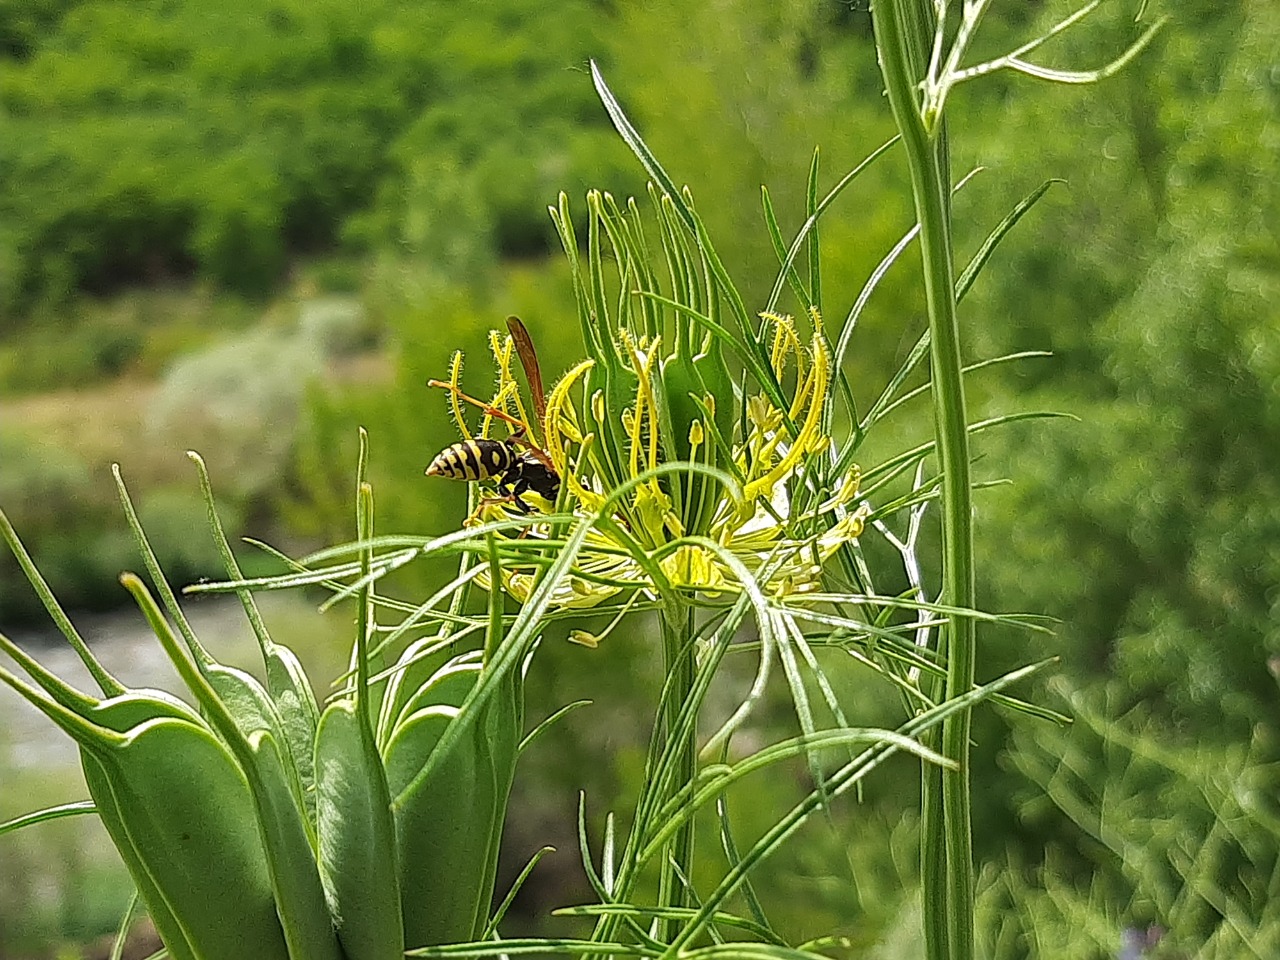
{"points": [[512, 499]]}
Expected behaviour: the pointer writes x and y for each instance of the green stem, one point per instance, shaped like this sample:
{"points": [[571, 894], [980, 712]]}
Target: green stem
{"points": [[904, 32], [677, 626]]}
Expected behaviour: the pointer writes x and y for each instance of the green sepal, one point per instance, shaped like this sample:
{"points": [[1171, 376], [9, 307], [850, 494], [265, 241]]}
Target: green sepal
{"points": [[678, 384], [245, 718], [442, 830], [718, 384], [448, 686], [448, 829], [415, 667], [295, 876], [254, 712], [166, 924], [687, 388], [356, 834], [611, 450], [295, 704], [184, 805], [717, 390]]}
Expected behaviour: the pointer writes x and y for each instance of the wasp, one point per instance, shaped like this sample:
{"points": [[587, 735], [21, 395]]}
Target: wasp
{"points": [[516, 464], [516, 470]]}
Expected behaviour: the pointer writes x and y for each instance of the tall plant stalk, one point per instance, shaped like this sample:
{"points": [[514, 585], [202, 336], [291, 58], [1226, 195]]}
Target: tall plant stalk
{"points": [[921, 46], [904, 32], [678, 657]]}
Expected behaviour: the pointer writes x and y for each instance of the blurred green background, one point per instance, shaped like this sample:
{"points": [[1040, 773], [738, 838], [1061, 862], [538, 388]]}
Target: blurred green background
{"points": [[248, 228]]}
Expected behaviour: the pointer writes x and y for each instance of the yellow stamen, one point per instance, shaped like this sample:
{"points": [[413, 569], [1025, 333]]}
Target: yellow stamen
{"points": [[812, 393], [455, 374]]}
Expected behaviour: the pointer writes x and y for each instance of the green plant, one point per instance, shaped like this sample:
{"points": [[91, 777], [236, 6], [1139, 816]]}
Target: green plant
{"points": [[922, 63], [264, 824], [707, 454], [373, 825]]}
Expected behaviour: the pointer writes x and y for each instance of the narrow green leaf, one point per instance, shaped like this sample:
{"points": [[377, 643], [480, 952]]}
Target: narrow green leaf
{"points": [[536, 733], [632, 138], [815, 250], [844, 779], [108, 684], [492, 928], [788, 269], [73, 809], [122, 933], [980, 258], [287, 682], [802, 234], [529, 947]]}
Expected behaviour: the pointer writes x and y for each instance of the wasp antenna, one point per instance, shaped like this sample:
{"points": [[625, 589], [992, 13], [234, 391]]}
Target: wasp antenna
{"points": [[486, 408]]}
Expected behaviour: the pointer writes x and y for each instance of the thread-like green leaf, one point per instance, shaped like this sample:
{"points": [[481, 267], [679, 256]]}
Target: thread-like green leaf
{"points": [[983, 254], [108, 684], [74, 809], [287, 683]]}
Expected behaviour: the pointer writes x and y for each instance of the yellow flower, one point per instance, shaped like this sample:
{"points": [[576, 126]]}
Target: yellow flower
{"points": [[753, 520]]}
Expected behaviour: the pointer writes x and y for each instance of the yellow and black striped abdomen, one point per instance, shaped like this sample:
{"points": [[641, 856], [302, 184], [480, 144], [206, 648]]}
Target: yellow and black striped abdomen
{"points": [[479, 459]]}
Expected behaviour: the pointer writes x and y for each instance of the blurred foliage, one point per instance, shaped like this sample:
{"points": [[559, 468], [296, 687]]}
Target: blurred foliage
{"points": [[59, 504], [239, 401], [1180, 842], [1149, 527], [134, 335], [146, 141], [171, 139], [240, 398]]}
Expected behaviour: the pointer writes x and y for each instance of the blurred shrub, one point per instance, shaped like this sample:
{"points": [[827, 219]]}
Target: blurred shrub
{"points": [[69, 520], [52, 356], [238, 403], [339, 326], [49, 496], [24, 22], [339, 274], [40, 482], [132, 335]]}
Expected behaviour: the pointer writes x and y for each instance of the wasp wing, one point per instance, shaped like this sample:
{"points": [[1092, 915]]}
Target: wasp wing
{"points": [[529, 360]]}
